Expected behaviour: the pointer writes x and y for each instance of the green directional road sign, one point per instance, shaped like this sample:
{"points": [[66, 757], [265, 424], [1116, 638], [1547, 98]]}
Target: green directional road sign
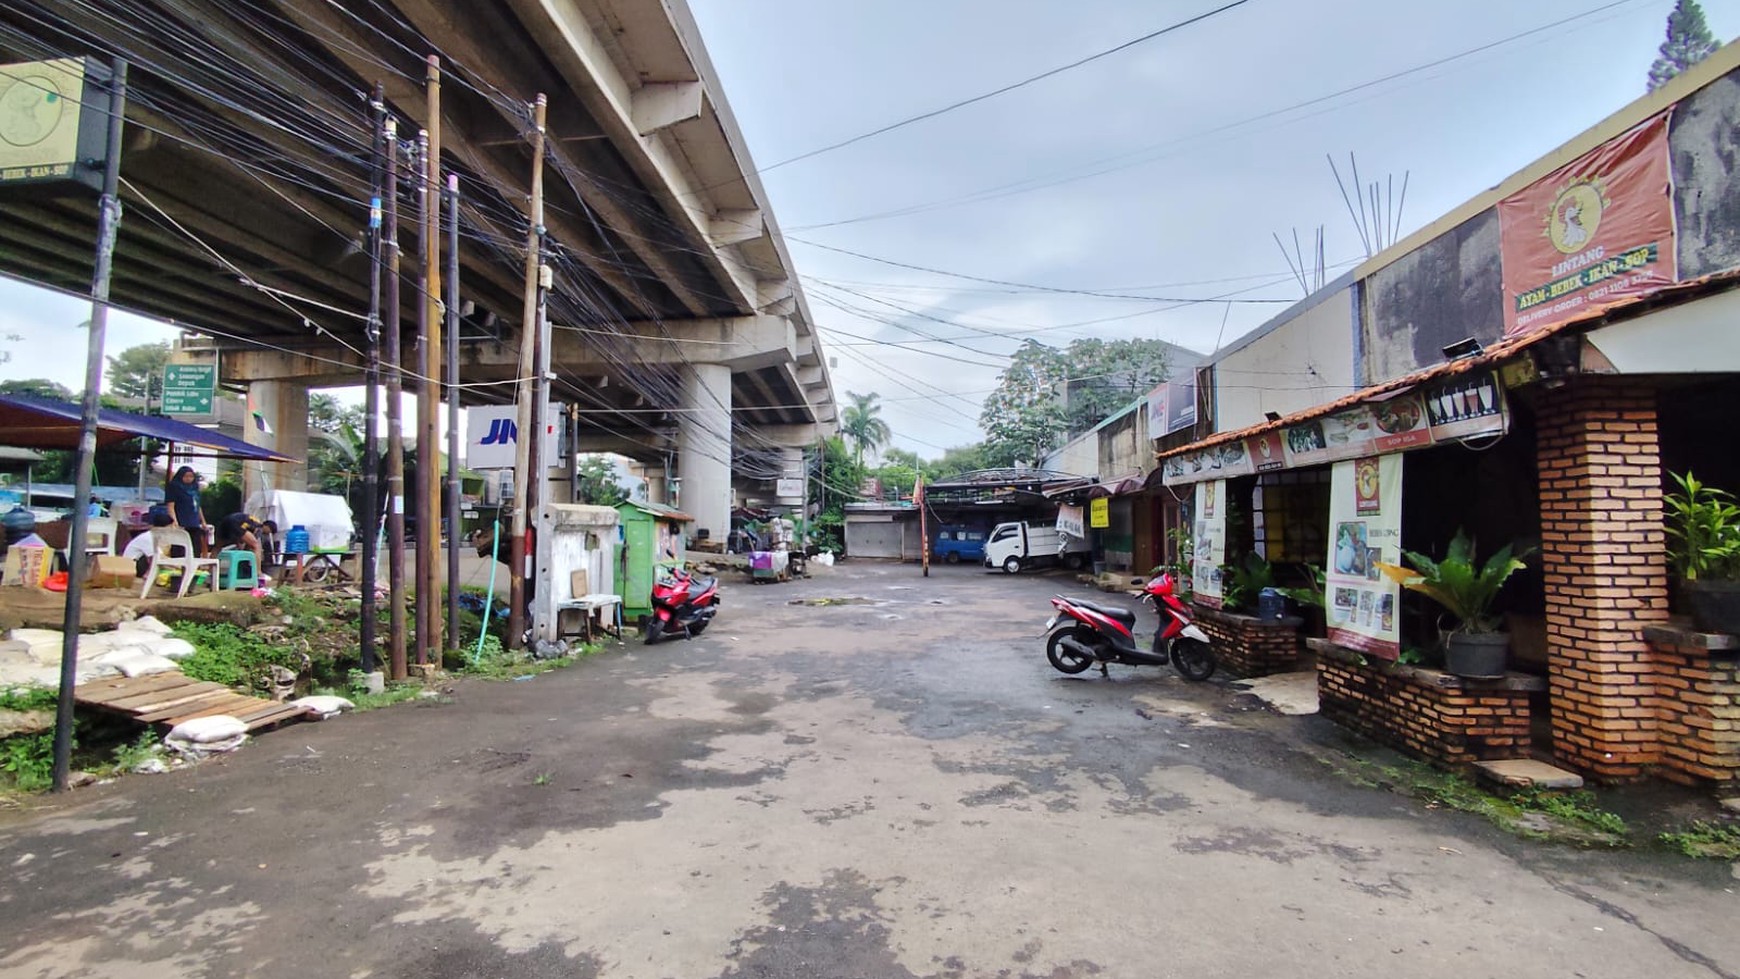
{"points": [[187, 388]]}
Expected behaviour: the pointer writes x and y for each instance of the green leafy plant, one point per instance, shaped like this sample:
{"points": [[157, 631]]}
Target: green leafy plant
{"points": [[1706, 840], [29, 698], [129, 756], [1705, 525], [1312, 595], [1464, 587], [29, 760], [232, 656], [1241, 583]]}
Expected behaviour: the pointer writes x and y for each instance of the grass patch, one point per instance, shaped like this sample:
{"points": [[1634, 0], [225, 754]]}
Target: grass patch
{"points": [[131, 755], [28, 761], [29, 698], [1534, 814], [496, 663], [233, 656], [1706, 841]]}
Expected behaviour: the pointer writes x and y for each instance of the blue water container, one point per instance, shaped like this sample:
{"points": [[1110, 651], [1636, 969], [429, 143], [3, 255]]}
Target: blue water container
{"points": [[296, 541]]}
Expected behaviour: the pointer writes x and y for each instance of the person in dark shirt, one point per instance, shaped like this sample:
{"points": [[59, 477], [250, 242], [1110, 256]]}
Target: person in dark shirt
{"points": [[240, 529], [182, 494]]}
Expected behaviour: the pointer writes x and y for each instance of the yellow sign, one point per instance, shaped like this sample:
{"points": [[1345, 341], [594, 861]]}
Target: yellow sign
{"points": [[1100, 513], [41, 104]]}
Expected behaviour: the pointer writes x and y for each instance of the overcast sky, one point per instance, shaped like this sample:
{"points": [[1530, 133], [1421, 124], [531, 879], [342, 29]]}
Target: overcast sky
{"points": [[1163, 170]]}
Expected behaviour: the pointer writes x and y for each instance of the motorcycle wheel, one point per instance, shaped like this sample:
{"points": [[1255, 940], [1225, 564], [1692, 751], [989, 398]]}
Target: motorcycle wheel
{"points": [[699, 627], [1193, 659], [654, 628], [1067, 660]]}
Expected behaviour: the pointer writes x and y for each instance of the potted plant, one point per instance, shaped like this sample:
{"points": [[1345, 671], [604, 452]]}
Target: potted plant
{"points": [[1705, 526], [1242, 583], [1475, 648]]}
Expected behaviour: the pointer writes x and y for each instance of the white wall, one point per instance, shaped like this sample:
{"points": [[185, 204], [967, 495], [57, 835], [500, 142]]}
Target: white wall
{"points": [[1299, 364]]}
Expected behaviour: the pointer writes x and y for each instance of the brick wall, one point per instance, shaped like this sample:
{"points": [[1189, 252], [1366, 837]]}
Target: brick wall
{"points": [[1696, 702], [1604, 556], [1247, 646], [1448, 720]]}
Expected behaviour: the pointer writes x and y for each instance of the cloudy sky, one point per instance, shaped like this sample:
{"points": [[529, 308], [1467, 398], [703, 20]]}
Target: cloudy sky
{"points": [[1160, 172], [1163, 170]]}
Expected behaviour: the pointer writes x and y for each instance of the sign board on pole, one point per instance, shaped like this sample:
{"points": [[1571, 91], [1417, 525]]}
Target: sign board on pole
{"points": [[188, 388], [53, 123], [1100, 512], [492, 432], [788, 488]]}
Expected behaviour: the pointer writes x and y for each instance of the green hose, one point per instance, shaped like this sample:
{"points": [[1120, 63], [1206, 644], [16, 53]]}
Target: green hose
{"points": [[488, 596]]}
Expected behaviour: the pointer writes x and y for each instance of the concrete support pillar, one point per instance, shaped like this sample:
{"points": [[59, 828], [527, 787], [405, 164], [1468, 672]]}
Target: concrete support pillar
{"points": [[284, 406], [704, 449], [1604, 552], [791, 466]]}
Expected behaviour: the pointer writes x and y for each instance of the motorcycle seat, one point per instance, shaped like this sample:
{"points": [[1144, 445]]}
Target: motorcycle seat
{"points": [[1111, 611], [701, 585]]}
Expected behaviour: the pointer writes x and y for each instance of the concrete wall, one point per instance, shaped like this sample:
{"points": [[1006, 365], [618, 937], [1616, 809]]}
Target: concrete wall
{"points": [[1079, 456], [1123, 447], [1447, 290], [1299, 362]]}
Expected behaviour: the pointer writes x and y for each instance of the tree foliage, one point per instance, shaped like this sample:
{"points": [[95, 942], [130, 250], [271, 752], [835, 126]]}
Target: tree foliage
{"points": [[1689, 41], [1046, 394], [598, 485], [36, 387], [860, 424], [137, 372]]}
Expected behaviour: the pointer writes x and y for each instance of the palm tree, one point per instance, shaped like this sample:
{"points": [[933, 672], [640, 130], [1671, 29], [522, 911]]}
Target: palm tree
{"points": [[860, 424]]}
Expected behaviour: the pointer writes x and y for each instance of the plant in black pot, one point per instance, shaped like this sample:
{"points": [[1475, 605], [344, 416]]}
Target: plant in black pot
{"points": [[1705, 526], [1466, 588]]}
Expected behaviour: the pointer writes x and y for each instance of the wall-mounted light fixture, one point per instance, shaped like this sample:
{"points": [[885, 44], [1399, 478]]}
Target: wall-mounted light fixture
{"points": [[1467, 347]]}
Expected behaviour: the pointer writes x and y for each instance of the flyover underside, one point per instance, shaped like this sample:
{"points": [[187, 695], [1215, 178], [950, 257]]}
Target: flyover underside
{"points": [[247, 168]]}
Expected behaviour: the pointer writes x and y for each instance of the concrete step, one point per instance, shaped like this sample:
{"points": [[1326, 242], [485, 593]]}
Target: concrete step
{"points": [[1527, 773]]}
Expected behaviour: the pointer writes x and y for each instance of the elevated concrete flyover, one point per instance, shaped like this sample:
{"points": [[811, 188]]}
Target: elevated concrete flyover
{"points": [[676, 310]]}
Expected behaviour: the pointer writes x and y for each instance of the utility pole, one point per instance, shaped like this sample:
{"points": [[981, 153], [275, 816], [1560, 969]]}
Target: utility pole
{"points": [[528, 436], [453, 638], [108, 225], [428, 530], [395, 425], [429, 644], [371, 525]]}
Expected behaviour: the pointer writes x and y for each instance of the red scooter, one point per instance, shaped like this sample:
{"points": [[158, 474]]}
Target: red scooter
{"points": [[681, 604], [1088, 632]]}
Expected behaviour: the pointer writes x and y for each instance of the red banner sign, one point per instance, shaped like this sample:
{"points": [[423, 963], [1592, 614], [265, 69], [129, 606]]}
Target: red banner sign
{"points": [[1594, 233]]}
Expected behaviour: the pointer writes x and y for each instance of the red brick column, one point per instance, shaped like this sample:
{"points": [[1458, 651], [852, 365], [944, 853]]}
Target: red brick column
{"points": [[1605, 560]]}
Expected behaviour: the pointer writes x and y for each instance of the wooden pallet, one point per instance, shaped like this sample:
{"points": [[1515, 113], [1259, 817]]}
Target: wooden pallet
{"points": [[170, 698]]}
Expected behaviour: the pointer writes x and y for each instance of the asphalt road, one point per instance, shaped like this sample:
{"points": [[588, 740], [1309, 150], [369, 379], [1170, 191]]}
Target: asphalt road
{"points": [[891, 789]]}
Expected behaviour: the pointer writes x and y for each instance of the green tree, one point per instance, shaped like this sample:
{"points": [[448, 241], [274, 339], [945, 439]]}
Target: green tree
{"points": [[1106, 375], [841, 476], [1024, 418], [860, 424], [327, 414], [137, 372], [1689, 41], [598, 485], [36, 387], [960, 459]]}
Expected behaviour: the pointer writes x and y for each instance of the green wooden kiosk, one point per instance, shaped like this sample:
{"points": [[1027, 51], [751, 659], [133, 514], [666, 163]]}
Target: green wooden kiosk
{"points": [[649, 531]]}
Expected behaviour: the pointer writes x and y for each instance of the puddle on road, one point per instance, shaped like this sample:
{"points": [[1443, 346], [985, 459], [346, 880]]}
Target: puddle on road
{"points": [[829, 602]]}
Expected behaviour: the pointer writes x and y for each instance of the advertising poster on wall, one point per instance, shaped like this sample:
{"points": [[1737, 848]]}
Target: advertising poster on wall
{"points": [[1100, 513], [1592, 234], [1365, 522], [1180, 403], [1469, 405], [1069, 521], [1210, 542]]}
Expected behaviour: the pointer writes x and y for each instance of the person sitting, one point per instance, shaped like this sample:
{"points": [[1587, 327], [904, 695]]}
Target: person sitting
{"points": [[144, 546], [96, 508], [240, 529]]}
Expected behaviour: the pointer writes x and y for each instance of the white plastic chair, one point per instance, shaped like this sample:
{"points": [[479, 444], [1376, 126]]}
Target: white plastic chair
{"points": [[165, 538]]}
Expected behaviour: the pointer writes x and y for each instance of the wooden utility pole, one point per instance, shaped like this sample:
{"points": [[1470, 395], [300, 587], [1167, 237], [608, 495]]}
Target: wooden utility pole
{"points": [[527, 437], [108, 226], [395, 425], [429, 643], [371, 522]]}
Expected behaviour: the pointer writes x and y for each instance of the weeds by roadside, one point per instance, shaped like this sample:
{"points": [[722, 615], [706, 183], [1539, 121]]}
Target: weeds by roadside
{"points": [[1705, 840]]}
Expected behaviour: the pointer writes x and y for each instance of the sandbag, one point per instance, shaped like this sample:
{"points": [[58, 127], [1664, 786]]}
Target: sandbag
{"points": [[145, 623], [208, 730], [323, 706]]}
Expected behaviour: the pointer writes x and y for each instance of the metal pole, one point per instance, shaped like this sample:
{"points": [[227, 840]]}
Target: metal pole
{"points": [[428, 529], [395, 425], [527, 436], [540, 466], [453, 411], [108, 224], [371, 501]]}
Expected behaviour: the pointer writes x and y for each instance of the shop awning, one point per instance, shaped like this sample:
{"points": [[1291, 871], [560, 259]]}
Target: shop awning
{"points": [[1412, 411], [44, 423], [1123, 486]]}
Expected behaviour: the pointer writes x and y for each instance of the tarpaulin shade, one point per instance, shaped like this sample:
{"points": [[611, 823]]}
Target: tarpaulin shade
{"points": [[44, 423]]}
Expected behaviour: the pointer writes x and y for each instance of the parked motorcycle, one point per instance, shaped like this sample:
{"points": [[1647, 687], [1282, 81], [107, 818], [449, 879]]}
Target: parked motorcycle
{"points": [[1088, 632], [682, 604]]}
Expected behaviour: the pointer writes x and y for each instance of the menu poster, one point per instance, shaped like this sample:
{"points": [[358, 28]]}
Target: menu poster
{"points": [[1464, 406], [1401, 423], [1365, 520], [1210, 551]]}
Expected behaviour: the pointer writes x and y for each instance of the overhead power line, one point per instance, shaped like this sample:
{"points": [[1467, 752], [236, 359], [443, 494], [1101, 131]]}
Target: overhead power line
{"points": [[932, 114]]}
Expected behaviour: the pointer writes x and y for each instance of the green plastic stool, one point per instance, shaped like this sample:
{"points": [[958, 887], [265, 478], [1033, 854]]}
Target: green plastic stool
{"points": [[236, 569]]}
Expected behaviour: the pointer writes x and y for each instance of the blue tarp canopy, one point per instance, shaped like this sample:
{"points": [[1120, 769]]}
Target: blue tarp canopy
{"points": [[44, 423]]}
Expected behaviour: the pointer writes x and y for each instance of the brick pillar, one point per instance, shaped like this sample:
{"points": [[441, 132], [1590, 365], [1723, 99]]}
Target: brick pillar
{"points": [[1605, 558]]}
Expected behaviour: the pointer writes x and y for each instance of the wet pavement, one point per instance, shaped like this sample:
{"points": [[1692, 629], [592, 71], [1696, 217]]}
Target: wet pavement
{"points": [[893, 787]]}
